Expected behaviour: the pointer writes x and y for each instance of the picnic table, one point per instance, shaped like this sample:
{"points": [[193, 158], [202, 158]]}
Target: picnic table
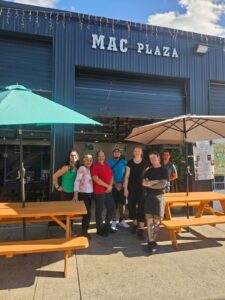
{"points": [[201, 201], [54, 210]]}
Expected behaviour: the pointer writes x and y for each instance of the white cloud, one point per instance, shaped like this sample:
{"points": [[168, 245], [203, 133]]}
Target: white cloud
{"points": [[200, 16], [43, 3]]}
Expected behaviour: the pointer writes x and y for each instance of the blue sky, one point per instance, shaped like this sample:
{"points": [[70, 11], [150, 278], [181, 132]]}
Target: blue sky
{"points": [[203, 16]]}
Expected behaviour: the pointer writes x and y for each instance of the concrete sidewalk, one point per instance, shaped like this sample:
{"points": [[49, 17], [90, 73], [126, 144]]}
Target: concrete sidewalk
{"points": [[117, 267]]}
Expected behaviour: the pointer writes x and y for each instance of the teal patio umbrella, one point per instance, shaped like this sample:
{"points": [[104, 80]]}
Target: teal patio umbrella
{"points": [[19, 106]]}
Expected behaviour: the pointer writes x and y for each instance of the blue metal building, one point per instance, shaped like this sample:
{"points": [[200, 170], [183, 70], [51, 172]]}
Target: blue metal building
{"points": [[109, 68]]}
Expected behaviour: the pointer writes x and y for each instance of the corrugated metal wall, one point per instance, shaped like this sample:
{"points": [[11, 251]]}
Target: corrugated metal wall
{"points": [[72, 47], [104, 94]]}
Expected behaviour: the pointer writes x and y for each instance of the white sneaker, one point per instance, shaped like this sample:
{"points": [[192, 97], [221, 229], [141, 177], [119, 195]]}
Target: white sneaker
{"points": [[124, 224], [113, 225]]}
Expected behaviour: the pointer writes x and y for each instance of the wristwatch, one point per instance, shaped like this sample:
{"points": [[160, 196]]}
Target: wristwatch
{"points": [[57, 186]]}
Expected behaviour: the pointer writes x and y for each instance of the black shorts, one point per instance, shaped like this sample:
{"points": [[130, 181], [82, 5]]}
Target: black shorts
{"points": [[118, 196]]}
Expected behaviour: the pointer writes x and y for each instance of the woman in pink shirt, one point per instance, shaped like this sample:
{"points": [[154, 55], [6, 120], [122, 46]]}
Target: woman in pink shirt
{"points": [[83, 191]]}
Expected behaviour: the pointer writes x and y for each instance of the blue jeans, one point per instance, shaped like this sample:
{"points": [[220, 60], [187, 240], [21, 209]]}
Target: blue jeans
{"points": [[102, 200]]}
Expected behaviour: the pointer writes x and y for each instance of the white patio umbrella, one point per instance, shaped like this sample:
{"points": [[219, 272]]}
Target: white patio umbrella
{"points": [[180, 130]]}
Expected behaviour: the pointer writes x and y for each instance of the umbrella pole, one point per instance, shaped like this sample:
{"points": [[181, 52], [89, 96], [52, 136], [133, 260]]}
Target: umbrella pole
{"points": [[186, 164], [22, 175], [22, 182]]}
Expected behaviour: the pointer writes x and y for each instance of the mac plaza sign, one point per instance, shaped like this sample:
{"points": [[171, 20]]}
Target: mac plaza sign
{"points": [[111, 43]]}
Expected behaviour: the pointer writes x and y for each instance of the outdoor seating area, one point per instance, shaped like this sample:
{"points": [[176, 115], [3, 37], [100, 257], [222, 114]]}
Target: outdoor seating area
{"points": [[92, 270]]}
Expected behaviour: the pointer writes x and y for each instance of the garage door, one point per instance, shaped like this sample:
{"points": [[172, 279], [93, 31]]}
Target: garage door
{"points": [[105, 94], [217, 99], [26, 62]]}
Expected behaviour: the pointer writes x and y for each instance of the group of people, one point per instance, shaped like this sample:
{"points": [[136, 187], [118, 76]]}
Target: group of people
{"points": [[113, 183]]}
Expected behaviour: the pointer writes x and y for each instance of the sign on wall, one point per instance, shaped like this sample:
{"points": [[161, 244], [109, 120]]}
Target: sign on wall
{"points": [[219, 154], [111, 43], [203, 160]]}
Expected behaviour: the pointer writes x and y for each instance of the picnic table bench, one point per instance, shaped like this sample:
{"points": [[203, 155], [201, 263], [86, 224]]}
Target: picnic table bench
{"points": [[201, 201], [9, 249], [51, 210]]}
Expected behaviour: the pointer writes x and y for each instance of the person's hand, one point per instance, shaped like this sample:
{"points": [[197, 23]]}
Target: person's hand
{"points": [[126, 193], [109, 189], [75, 196], [60, 189]]}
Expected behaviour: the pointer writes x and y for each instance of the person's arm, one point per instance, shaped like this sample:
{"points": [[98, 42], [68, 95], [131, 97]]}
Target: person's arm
{"points": [[109, 189], [97, 180], [173, 175], [126, 179], [58, 174], [77, 183], [155, 184]]}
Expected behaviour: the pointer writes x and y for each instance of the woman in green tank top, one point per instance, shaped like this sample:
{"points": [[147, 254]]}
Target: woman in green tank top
{"points": [[68, 172]]}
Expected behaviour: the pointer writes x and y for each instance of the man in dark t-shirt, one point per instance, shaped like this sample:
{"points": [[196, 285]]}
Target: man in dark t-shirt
{"points": [[155, 181]]}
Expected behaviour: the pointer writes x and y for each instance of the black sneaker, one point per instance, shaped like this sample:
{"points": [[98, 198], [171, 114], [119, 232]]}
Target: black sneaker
{"points": [[141, 234], [102, 233], [134, 229], [152, 247]]}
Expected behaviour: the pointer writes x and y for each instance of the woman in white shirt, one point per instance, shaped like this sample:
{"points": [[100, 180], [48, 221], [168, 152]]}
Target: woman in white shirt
{"points": [[83, 191]]}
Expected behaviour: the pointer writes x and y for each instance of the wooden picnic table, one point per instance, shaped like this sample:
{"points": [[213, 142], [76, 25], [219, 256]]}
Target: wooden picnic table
{"points": [[53, 210], [201, 201]]}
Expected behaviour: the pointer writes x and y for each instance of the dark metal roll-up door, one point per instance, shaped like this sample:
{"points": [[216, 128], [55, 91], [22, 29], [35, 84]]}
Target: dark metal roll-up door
{"points": [[26, 62], [104, 94], [217, 99]]}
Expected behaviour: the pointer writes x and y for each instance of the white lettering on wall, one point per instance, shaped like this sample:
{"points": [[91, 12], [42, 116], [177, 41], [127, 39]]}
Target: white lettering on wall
{"points": [[123, 48], [174, 53], [112, 44], [98, 41], [140, 47], [166, 51]]}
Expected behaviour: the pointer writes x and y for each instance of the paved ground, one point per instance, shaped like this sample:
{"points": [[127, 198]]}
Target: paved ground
{"points": [[117, 267]]}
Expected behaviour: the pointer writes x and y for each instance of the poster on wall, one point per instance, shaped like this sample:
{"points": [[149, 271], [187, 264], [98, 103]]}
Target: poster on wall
{"points": [[203, 160], [219, 155]]}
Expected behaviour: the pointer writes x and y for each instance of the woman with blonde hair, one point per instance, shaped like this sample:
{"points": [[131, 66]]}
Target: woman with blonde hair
{"points": [[133, 190]]}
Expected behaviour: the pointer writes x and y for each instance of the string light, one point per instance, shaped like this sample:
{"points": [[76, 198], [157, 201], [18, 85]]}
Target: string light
{"points": [[88, 20], [30, 16], [57, 18], [64, 20], [113, 27], [50, 21], [22, 19], [8, 16], [36, 19], [16, 14]]}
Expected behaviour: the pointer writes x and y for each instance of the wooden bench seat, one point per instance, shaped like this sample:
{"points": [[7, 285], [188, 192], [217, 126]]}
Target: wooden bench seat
{"points": [[175, 225], [9, 249]]}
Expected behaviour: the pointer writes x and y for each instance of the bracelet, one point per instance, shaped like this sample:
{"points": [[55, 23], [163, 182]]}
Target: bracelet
{"points": [[57, 186]]}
